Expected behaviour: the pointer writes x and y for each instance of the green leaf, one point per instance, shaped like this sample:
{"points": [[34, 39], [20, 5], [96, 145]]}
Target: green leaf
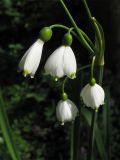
{"points": [[98, 137], [6, 131], [102, 35], [107, 122]]}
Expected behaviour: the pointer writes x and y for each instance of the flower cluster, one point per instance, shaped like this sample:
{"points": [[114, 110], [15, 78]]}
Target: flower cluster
{"points": [[61, 62]]}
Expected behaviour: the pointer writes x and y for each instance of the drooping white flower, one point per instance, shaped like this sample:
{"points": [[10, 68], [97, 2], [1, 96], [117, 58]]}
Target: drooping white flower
{"points": [[93, 96], [61, 62], [31, 59], [66, 111]]}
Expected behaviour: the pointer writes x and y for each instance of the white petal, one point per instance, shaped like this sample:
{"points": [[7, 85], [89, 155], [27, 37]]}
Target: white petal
{"points": [[98, 95], [22, 62], [54, 64], [73, 108], [32, 57], [63, 111], [69, 62], [86, 95]]}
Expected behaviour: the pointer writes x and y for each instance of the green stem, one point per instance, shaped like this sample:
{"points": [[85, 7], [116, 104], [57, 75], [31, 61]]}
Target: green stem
{"points": [[107, 119], [98, 34], [72, 142], [95, 26], [6, 130], [82, 32], [63, 85], [101, 70], [88, 40], [91, 141], [87, 9], [92, 68], [84, 67], [81, 37], [59, 26], [76, 138]]}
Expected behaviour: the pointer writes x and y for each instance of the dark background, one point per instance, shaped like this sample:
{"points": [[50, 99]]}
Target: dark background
{"points": [[30, 104]]}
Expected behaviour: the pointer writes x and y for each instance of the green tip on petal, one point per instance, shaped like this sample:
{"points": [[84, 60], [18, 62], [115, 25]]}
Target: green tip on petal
{"points": [[62, 124], [32, 76], [64, 96], [96, 110], [56, 79], [25, 73], [73, 75], [92, 82]]}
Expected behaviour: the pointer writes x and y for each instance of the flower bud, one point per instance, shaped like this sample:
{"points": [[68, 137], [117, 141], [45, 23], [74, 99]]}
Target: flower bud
{"points": [[45, 34]]}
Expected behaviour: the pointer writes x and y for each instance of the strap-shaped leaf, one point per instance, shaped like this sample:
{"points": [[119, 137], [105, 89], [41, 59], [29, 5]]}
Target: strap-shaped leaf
{"points": [[98, 138], [6, 131], [107, 122]]}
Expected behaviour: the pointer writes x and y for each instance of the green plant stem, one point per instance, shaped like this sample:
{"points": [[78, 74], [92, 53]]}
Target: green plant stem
{"points": [[88, 40], [63, 85], [93, 23], [91, 141], [76, 138], [82, 68], [107, 116], [72, 142], [6, 130], [92, 68], [101, 70], [81, 38], [98, 34], [82, 32], [87, 9]]}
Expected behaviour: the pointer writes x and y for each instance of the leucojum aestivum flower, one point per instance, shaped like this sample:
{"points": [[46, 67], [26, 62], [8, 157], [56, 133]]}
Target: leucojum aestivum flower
{"points": [[61, 64]]}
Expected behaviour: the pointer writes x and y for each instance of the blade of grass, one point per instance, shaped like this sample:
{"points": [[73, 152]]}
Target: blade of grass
{"points": [[6, 131], [98, 138], [106, 123]]}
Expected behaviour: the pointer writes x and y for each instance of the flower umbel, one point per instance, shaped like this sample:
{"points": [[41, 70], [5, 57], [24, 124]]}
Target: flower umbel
{"points": [[66, 111], [31, 59], [93, 95], [62, 62]]}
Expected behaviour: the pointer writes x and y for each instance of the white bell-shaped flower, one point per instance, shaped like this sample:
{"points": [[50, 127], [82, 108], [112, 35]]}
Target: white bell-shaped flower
{"points": [[66, 111], [93, 96], [61, 62], [31, 59]]}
